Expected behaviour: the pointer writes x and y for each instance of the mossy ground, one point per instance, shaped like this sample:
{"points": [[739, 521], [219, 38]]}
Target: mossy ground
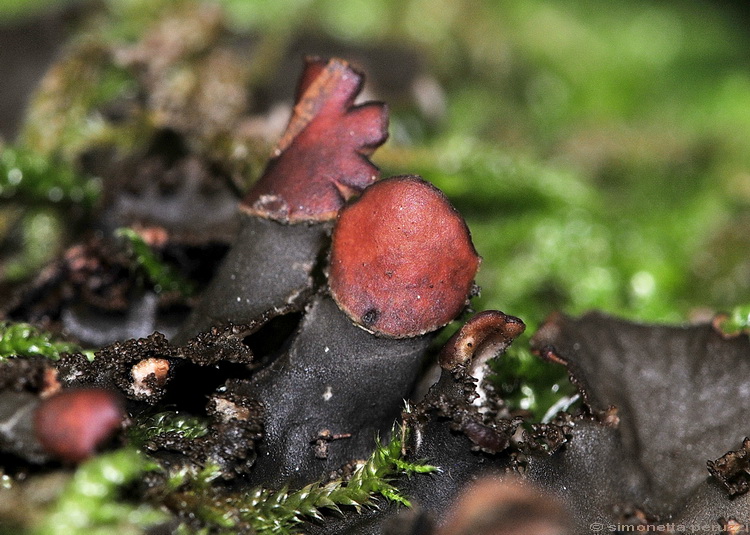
{"points": [[599, 153]]}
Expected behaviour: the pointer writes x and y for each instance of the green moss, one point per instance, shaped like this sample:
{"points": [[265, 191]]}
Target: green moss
{"points": [[527, 383], [33, 178], [193, 491], [737, 321], [148, 428], [35, 238], [282, 512], [65, 116], [92, 504], [12, 9], [163, 276], [22, 339], [42, 198], [279, 512]]}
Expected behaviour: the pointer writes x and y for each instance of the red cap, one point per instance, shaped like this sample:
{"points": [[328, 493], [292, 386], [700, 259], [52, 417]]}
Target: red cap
{"points": [[402, 260], [72, 424]]}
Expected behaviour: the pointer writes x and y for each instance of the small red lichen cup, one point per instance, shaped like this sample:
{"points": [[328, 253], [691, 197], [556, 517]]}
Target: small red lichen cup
{"points": [[72, 424], [402, 260]]}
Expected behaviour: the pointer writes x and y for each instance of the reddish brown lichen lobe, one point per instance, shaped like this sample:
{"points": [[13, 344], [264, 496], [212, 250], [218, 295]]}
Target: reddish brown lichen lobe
{"points": [[402, 260], [321, 160]]}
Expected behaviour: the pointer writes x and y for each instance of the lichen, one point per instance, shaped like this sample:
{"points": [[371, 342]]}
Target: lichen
{"points": [[599, 156]]}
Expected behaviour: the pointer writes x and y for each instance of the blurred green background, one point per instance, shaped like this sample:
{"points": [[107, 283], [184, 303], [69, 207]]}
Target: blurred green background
{"points": [[599, 151]]}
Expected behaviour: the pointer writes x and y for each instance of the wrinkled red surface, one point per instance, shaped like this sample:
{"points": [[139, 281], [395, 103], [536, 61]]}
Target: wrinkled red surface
{"points": [[70, 425], [402, 261], [321, 161]]}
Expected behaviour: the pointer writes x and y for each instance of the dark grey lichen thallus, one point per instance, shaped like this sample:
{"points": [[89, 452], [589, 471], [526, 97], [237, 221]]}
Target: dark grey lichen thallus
{"points": [[287, 216]]}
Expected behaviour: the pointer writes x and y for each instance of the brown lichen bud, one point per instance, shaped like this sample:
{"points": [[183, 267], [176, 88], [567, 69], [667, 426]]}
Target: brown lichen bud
{"points": [[402, 260], [50, 383], [149, 374], [72, 424], [507, 506], [482, 337]]}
